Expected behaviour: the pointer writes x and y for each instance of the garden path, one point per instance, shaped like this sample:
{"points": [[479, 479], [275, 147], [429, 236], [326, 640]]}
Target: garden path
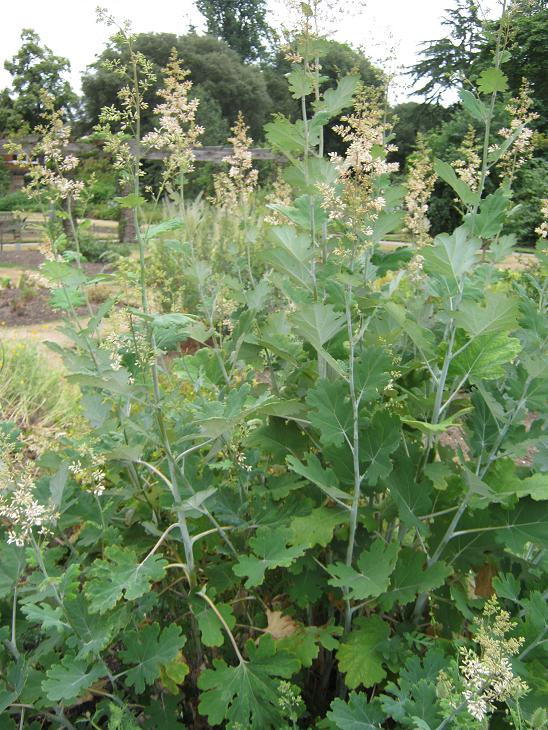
{"points": [[38, 334]]}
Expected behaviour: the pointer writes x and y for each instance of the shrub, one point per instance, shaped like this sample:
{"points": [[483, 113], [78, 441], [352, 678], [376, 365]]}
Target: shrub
{"points": [[17, 201], [97, 250], [303, 519]]}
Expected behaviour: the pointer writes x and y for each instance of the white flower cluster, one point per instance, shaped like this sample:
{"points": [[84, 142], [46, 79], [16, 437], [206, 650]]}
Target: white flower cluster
{"points": [[280, 194], [420, 184], [468, 166], [290, 701], [48, 164], [488, 675], [125, 337], [18, 504], [415, 267], [177, 132], [364, 135], [242, 461], [542, 230], [521, 117], [113, 343], [355, 199], [116, 124], [234, 187], [224, 308], [90, 474]]}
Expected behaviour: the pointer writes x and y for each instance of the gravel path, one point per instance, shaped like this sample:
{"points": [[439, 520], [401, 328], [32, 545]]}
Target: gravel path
{"points": [[38, 334]]}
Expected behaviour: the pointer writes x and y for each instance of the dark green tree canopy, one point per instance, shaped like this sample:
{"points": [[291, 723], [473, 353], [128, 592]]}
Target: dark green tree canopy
{"points": [[469, 47], [241, 24], [527, 46], [224, 84], [412, 117], [34, 69]]}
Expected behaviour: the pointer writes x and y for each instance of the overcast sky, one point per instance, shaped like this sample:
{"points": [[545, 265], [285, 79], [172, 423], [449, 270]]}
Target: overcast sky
{"points": [[68, 27]]}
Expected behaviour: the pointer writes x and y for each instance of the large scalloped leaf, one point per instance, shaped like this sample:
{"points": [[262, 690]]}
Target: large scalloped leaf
{"points": [[356, 714], [527, 522], [147, 651], [411, 577], [285, 136], [377, 442], [331, 412], [317, 323], [121, 575], [451, 256], [336, 100], [70, 679], [485, 357], [360, 656], [248, 693], [498, 313], [492, 80], [375, 567], [325, 479], [270, 550]]}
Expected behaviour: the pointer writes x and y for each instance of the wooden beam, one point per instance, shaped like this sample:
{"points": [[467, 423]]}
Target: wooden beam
{"points": [[201, 154]]}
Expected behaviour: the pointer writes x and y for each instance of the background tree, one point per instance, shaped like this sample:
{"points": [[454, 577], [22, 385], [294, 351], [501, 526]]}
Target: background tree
{"points": [[458, 60], [224, 84], [34, 69], [526, 57], [241, 24], [412, 118], [446, 62], [469, 46], [10, 119]]}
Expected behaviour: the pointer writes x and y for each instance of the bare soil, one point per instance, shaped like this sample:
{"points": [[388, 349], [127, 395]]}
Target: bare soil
{"points": [[27, 259], [24, 306], [19, 308]]}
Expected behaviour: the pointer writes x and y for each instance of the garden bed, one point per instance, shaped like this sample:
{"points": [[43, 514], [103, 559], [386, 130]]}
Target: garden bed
{"points": [[33, 259], [18, 308]]}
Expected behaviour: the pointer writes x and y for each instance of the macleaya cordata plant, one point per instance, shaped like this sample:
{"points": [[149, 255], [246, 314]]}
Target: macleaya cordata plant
{"points": [[51, 173], [420, 185], [468, 165], [234, 187], [519, 132], [177, 132], [298, 500]]}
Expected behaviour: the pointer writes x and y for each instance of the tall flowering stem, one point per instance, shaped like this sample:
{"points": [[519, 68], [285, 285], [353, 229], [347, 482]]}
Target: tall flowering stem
{"points": [[420, 184], [519, 132], [357, 198], [468, 165], [121, 130], [177, 132], [51, 168], [234, 187], [120, 126]]}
